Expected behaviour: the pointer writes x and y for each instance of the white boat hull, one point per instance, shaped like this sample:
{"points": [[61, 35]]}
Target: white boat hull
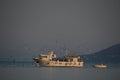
{"points": [[62, 64], [100, 66]]}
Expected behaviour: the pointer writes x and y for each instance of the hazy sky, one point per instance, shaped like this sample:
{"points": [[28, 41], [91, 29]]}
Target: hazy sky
{"points": [[26, 26]]}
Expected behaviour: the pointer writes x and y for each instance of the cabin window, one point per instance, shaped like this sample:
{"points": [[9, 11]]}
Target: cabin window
{"points": [[44, 57], [70, 60]]}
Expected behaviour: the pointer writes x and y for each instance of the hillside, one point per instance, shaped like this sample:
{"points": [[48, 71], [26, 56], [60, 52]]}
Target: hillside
{"points": [[109, 55]]}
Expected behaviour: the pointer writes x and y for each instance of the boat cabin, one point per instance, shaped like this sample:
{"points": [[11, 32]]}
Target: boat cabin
{"points": [[72, 58], [48, 57]]}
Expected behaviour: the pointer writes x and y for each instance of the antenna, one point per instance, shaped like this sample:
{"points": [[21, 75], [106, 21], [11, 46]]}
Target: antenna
{"points": [[66, 52]]}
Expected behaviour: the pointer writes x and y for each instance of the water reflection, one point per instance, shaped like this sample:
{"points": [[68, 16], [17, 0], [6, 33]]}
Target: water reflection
{"points": [[28, 71]]}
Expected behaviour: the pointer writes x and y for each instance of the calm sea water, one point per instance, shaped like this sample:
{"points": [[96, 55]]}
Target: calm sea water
{"points": [[29, 71]]}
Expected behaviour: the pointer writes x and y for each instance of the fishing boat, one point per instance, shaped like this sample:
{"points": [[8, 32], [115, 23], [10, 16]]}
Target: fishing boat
{"points": [[50, 60], [100, 66]]}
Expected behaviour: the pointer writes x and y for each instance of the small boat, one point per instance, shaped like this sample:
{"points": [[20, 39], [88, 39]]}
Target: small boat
{"points": [[100, 66]]}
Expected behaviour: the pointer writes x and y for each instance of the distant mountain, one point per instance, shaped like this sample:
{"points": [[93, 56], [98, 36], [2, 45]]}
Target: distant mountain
{"points": [[109, 55]]}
